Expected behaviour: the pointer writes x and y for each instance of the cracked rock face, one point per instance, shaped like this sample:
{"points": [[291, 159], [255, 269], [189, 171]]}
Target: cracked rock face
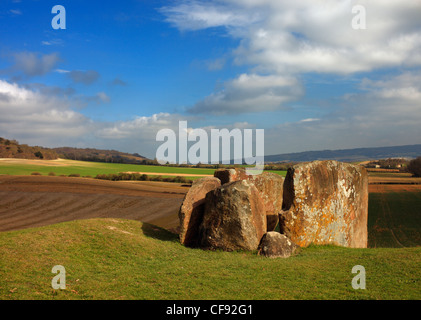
{"points": [[234, 218], [326, 202]]}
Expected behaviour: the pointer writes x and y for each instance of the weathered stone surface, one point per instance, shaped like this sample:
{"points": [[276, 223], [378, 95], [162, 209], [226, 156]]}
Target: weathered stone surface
{"points": [[230, 175], [269, 185], [234, 218], [276, 245], [192, 208], [326, 202]]}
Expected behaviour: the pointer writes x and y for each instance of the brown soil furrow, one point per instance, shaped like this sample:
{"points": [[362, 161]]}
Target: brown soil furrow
{"points": [[43, 208], [46, 206], [25, 202], [66, 206], [49, 218], [9, 200]]}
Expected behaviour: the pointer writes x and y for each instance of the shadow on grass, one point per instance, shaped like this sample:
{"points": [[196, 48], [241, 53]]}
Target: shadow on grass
{"points": [[158, 233]]}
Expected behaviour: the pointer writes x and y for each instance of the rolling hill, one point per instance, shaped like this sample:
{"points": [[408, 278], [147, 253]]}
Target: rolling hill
{"points": [[13, 149], [358, 154], [98, 155]]}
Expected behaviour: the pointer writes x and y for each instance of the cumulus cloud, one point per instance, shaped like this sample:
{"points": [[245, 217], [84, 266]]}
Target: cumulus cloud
{"points": [[406, 87], [250, 93], [34, 64], [281, 42], [35, 115], [310, 36], [143, 127], [85, 77]]}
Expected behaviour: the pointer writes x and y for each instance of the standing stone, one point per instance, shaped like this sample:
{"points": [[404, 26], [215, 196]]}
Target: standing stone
{"points": [[192, 208], [326, 202], [276, 245], [269, 185], [234, 218]]}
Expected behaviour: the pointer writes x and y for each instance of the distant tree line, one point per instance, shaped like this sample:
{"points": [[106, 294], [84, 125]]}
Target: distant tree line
{"points": [[391, 163], [123, 176], [96, 155], [414, 167]]}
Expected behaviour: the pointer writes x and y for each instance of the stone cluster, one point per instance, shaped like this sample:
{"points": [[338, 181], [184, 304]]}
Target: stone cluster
{"points": [[321, 202]]}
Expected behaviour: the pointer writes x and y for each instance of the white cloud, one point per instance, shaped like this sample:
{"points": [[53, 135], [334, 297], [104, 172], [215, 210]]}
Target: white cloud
{"points": [[35, 114], [38, 116], [144, 128], [195, 15], [406, 87], [61, 71], [309, 120], [282, 40], [250, 93], [311, 36]]}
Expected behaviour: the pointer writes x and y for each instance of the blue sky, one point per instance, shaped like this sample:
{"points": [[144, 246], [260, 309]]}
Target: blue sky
{"points": [[121, 71]]}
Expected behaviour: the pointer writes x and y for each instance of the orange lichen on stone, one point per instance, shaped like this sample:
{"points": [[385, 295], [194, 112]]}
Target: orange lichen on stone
{"points": [[326, 202]]}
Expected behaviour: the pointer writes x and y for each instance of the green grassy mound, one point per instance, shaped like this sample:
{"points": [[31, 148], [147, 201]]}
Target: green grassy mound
{"points": [[123, 259]]}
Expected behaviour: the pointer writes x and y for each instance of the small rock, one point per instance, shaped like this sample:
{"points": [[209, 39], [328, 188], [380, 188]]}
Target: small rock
{"points": [[276, 245]]}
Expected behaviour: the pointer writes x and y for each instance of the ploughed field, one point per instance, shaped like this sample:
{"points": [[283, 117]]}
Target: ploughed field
{"points": [[33, 201]]}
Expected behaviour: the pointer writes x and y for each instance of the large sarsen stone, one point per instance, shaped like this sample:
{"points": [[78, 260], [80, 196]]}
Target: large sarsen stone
{"points": [[234, 218], [269, 185], [326, 202], [192, 208]]}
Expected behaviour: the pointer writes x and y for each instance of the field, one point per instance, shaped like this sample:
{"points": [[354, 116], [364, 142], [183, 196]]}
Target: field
{"points": [[111, 238], [84, 168], [32, 201]]}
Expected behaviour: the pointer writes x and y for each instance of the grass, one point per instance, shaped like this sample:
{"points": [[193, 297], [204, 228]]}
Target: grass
{"points": [[85, 168], [394, 219], [123, 259]]}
